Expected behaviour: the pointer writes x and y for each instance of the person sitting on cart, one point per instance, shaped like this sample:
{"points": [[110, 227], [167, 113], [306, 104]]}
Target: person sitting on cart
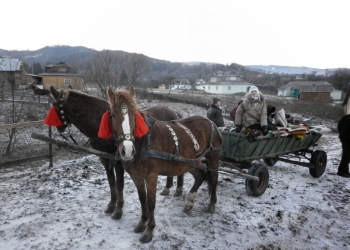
{"points": [[214, 113], [252, 113]]}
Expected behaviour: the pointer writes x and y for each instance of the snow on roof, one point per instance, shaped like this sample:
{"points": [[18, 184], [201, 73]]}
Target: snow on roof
{"points": [[9, 64]]}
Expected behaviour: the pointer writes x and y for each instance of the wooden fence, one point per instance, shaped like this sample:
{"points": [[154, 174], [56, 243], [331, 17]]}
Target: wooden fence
{"points": [[32, 158]]}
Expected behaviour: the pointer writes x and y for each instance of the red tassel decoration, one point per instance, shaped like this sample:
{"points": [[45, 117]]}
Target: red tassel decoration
{"points": [[141, 126], [52, 118], [105, 131]]}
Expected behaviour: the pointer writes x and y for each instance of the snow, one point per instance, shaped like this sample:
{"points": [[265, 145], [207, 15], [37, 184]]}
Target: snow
{"points": [[62, 208]]}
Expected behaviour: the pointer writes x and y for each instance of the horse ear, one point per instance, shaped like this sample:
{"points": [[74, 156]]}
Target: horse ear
{"points": [[110, 93], [54, 92], [132, 91]]}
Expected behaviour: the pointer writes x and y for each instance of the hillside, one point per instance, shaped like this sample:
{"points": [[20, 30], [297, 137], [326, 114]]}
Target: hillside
{"points": [[288, 69], [80, 54]]}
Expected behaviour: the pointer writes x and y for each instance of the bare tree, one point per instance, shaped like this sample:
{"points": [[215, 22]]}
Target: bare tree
{"points": [[9, 77], [137, 65], [169, 82], [103, 70]]}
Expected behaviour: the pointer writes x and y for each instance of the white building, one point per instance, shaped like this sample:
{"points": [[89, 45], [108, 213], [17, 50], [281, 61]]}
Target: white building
{"points": [[226, 83]]}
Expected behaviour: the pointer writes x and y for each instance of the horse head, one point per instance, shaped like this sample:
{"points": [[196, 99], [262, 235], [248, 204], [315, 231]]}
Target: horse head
{"points": [[123, 112], [30, 86]]}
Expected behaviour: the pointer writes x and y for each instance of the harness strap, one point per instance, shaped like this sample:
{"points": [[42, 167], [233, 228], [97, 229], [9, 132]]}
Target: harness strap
{"points": [[194, 140], [172, 157], [176, 141]]}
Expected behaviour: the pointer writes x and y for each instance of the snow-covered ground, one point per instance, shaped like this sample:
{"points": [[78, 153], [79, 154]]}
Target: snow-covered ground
{"points": [[62, 208]]}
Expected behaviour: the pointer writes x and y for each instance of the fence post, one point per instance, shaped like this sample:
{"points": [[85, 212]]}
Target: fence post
{"points": [[50, 148]]}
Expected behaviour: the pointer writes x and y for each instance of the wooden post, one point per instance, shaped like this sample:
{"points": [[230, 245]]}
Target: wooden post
{"points": [[50, 148]]}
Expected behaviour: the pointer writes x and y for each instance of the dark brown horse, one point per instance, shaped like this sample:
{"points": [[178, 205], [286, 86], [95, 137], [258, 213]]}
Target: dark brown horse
{"points": [[37, 90], [168, 148], [85, 112]]}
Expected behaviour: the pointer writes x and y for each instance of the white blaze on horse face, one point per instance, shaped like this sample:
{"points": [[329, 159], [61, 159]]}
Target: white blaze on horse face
{"points": [[128, 145]]}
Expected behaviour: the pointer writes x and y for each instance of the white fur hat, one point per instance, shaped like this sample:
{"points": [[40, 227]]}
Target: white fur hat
{"points": [[253, 88]]}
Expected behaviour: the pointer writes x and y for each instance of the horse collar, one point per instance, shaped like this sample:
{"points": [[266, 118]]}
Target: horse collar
{"points": [[60, 108]]}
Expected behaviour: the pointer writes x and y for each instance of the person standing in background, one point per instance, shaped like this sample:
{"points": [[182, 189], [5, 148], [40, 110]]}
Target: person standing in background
{"points": [[214, 113]]}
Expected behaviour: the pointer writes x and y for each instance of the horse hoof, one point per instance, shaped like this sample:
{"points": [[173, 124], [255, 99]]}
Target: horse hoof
{"points": [[178, 193], [145, 238], [140, 227], [187, 209], [211, 209], [165, 191], [117, 215], [109, 209]]}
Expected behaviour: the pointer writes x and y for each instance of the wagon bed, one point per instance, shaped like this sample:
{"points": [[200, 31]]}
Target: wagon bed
{"points": [[242, 149], [237, 146]]}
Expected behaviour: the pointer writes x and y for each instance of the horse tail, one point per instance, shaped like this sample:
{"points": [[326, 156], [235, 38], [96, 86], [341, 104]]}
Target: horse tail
{"points": [[209, 182]]}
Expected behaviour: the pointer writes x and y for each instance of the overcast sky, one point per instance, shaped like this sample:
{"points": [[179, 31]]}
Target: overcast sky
{"points": [[311, 33]]}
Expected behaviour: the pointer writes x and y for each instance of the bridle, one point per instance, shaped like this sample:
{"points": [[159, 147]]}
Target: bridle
{"points": [[59, 104], [122, 137], [125, 141]]}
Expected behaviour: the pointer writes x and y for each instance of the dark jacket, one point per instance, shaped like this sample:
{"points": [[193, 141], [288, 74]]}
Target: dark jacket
{"points": [[344, 129], [233, 113], [214, 114]]}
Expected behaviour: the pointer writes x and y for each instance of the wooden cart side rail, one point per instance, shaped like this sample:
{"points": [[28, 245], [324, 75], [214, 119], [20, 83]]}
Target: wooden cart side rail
{"points": [[21, 125]]}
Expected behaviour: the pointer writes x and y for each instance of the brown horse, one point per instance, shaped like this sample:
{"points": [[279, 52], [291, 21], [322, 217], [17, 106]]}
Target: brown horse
{"points": [[163, 148], [85, 112], [37, 90]]}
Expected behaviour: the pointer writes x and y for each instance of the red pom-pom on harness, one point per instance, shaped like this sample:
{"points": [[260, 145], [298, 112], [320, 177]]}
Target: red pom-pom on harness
{"points": [[52, 118], [141, 126], [105, 131]]}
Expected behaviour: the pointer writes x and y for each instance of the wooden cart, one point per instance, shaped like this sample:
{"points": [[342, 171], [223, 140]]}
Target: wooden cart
{"points": [[240, 150]]}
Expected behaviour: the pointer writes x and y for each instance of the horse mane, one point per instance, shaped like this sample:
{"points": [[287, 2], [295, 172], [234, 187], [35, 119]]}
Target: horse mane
{"points": [[83, 97], [127, 97]]}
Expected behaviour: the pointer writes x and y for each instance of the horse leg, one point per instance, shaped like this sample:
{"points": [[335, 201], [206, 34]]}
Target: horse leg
{"points": [[212, 178], [199, 177], [141, 190], [111, 181], [169, 184], [151, 184], [118, 212], [180, 182]]}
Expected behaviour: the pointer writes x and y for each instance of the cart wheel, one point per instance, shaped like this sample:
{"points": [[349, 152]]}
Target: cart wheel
{"points": [[319, 159], [257, 188], [271, 161]]}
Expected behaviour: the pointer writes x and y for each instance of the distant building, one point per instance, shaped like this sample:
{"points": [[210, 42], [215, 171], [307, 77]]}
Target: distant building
{"points": [[226, 83], [315, 93], [180, 84], [61, 75], [337, 95], [318, 91], [10, 67]]}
